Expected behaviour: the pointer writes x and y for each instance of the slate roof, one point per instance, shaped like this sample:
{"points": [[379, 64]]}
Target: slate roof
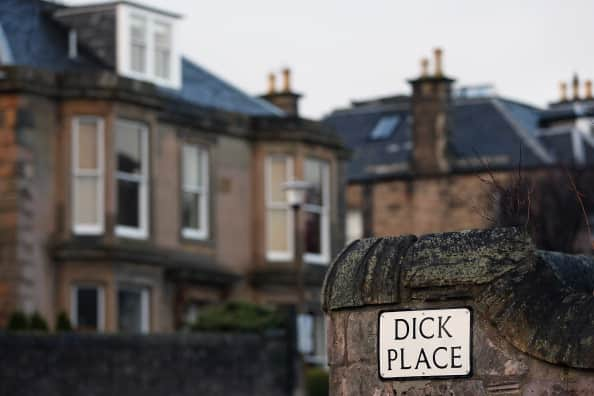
{"points": [[37, 40], [201, 87], [492, 132]]}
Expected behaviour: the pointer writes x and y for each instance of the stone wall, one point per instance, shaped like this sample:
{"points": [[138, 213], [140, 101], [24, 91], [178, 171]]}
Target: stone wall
{"points": [[191, 364], [533, 312]]}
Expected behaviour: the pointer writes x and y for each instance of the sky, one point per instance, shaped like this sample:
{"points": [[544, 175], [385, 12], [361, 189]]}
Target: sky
{"points": [[343, 50]]}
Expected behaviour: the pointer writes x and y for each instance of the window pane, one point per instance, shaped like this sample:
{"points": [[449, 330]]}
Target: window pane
{"points": [[128, 203], [162, 49], [162, 60], [138, 55], [277, 230], [191, 210], [87, 308], [313, 175], [85, 203], [138, 44], [129, 148], [313, 243], [278, 176], [130, 311], [192, 170], [354, 225], [87, 144], [162, 35]]}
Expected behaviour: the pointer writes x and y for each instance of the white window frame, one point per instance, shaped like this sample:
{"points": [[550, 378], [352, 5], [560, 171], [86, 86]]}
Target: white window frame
{"points": [[124, 58], [324, 211], [145, 305], [97, 228], [201, 232], [276, 255], [142, 231], [100, 304]]}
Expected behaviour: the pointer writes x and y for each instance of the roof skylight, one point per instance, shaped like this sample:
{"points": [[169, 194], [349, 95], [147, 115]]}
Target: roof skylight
{"points": [[385, 127]]}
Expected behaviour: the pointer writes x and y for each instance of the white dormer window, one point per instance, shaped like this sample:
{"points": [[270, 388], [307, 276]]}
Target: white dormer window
{"points": [[147, 48]]}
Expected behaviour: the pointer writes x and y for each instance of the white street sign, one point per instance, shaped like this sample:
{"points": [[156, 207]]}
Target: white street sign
{"points": [[425, 343]]}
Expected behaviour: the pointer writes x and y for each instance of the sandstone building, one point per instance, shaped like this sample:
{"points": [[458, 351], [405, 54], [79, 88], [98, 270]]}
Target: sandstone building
{"points": [[419, 162], [136, 186]]}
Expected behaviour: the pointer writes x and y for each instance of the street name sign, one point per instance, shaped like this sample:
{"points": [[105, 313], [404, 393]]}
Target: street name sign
{"points": [[425, 343]]}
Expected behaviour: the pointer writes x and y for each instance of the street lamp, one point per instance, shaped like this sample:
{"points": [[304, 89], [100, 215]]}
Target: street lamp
{"points": [[296, 194]]}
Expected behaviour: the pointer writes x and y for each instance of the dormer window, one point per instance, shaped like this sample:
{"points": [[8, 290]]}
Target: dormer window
{"points": [[147, 46]]}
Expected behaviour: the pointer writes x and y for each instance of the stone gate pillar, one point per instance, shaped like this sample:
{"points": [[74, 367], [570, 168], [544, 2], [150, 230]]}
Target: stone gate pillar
{"points": [[531, 327]]}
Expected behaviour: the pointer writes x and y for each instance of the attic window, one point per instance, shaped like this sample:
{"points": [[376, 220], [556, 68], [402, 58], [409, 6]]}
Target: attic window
{"points": [[385, 127], [147, 48]]}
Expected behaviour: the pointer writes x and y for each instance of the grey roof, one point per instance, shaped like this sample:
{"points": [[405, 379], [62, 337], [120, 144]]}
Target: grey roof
{"points": [[38, 40], [35, 39], [491, 132], [203, 88]]}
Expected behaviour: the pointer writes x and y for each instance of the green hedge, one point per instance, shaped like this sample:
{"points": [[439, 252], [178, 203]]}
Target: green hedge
{"points": [[238, 316], [316, 381]]}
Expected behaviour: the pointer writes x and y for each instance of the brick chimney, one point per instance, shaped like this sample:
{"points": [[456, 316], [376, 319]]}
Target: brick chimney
{"points": [[431, 99], [285, 99]]}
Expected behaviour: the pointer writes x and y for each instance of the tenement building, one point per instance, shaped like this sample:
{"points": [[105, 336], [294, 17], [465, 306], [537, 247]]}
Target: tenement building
{"points": [[135, 186], [420, 162]]}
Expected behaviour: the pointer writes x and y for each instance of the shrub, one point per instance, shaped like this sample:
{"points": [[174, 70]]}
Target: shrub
{"points": [[37, 323], [316, 381], [238, 316], [63, 322], [17, 322]]}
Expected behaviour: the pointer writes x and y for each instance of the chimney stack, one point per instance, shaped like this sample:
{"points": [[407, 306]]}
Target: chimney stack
{"points": [[286, 100], [431, 100], [576, 87], [588, 86]]}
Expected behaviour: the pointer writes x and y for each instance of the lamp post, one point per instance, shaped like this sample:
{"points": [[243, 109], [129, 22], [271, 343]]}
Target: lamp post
{"points": [[296, 194]]}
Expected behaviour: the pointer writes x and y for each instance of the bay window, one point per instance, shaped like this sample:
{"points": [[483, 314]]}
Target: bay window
{"points": [[132, 179], [87, 175], [88, 308], [279, 218], [316, 211], [194, 192]]}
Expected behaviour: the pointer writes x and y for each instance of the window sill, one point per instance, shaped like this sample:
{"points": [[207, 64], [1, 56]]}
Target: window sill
{"points": [[129, 232]]}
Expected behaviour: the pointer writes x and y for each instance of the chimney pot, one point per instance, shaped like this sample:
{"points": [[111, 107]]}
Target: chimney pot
{"points": [[271, 84], [438, 66], [286, 80], [562, 91], [576, 87], [588, 89], [424, 67]]}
